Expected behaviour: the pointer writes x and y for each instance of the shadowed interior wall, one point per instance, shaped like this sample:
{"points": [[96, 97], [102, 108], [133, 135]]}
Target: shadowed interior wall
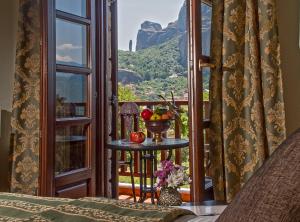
{"points": [[8, 27], [289, 22]]}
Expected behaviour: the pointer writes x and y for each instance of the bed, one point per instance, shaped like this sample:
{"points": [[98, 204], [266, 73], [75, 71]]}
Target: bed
{"points": [[19, 207]]}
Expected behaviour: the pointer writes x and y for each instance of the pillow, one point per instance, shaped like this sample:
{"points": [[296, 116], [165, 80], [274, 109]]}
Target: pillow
{"points": [[273, 192]]}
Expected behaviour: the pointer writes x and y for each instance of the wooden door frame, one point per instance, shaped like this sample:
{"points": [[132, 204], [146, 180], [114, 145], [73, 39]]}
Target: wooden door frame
{"points": [[114, 94], [46, 179], [195, 86], [101, 129], [104, 100]]}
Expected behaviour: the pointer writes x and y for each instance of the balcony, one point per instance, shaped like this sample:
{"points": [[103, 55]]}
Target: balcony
{"points": [[180, 156]]}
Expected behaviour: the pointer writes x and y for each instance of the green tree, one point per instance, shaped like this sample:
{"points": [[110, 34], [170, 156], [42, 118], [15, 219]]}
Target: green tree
{"points": [[125, 93]]}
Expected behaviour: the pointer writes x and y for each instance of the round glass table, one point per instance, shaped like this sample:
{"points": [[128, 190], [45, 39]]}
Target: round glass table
{"points": [[147, 151]]}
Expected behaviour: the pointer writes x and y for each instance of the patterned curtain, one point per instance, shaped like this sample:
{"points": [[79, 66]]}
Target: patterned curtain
{"points": [[26, 101], [247, 113]]}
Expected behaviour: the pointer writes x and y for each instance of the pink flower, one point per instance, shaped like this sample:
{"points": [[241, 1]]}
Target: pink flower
{"points": [[171, 175]]}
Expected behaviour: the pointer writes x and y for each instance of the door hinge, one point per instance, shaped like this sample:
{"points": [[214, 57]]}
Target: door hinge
{"points": [[114, 100]]}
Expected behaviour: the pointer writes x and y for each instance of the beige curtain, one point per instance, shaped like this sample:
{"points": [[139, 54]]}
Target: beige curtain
{"points": [[26, 101], [247, 113]]}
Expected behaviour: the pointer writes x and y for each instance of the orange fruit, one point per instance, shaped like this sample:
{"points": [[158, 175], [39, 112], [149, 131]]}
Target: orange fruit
{"points": [[165, 117]]}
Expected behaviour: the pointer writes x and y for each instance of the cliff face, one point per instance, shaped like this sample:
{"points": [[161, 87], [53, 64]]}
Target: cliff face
{"points": [[128, 77], [151, 33]]}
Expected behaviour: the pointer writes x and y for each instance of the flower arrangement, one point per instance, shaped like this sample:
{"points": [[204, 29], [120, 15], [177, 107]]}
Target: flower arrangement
{"points": [[170, 175]]}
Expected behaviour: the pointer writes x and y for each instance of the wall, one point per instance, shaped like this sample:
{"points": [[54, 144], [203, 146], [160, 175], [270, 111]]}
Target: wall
{"points": [[289, 22], [8, 27]]}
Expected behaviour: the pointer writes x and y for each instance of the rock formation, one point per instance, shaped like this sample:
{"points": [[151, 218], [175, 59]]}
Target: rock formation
{"points": [[130, 46], [151, 33], [127, 77]]}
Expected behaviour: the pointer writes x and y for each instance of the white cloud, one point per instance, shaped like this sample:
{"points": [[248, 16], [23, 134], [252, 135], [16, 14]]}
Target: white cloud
{"points": [[68, 46], [64, 58]]}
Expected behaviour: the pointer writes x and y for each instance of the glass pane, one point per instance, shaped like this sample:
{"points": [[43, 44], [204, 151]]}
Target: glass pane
{"points": [[71, 43], [206, 28], [70, 150], [71, 95], [76, 7]]}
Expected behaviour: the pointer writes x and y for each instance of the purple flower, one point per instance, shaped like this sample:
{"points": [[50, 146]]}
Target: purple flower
{"points": [[171, 175]]}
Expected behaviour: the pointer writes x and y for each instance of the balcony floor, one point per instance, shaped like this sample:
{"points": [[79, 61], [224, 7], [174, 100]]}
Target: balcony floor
{"points": [[130, 198]]}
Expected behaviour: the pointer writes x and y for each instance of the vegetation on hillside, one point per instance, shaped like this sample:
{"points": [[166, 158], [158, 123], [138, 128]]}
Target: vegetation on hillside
{"points": [[157, 62], [125, 93], [160, 70]]}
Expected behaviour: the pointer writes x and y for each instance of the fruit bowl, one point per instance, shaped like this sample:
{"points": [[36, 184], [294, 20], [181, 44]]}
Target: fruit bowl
{"points": [[157, 127]]}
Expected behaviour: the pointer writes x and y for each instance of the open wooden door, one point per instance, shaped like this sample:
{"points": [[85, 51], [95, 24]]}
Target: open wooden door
{"points": [[69, 98], [199, 50]]}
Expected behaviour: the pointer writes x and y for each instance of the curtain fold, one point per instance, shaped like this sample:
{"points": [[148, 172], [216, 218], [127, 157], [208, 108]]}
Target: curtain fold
{"points": [[26, 101], [247, 108]]}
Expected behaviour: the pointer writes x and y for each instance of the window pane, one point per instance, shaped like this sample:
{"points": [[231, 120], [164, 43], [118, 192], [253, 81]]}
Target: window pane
{"points": [[70, 151], [206, 29], [76, 7], [71, 95], [71, 43]]}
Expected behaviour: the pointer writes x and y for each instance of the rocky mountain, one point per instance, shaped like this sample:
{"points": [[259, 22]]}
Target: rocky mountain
{"points": [[152, 34]]}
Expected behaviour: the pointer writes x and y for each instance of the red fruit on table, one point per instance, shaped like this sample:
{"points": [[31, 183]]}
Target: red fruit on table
{"points": [[137, 137], [146, 114]]}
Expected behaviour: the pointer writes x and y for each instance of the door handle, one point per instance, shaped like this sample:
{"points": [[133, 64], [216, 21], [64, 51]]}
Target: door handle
{"points": [[206, 65]]}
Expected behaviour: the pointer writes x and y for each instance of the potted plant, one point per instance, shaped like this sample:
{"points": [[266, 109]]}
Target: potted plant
{"points": [[170, 177]]}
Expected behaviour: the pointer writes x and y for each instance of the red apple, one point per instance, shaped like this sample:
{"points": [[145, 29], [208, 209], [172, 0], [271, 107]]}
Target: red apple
{"points": [[137, 137], [146, 114]]}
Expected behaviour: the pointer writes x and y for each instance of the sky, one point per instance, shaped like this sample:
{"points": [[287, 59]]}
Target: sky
{"points": [[71, 41], [132, 13]]}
